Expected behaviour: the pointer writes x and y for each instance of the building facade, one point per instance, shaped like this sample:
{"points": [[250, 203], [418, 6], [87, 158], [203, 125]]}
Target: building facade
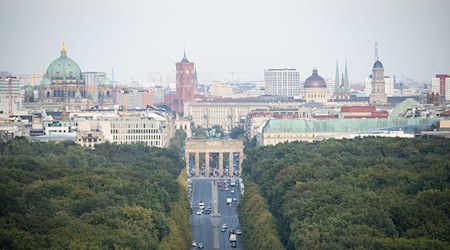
{"points": [[280, 130], [230, 113], [221, 89], [282, 82], [441, 85], [134, 97], [155, 130]]}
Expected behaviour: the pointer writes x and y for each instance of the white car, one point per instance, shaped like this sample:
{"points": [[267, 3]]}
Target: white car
{"points": [[194, 244], [199, 212]]}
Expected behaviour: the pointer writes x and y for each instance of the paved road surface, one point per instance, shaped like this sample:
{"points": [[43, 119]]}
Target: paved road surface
{"points": [[205, 227]]}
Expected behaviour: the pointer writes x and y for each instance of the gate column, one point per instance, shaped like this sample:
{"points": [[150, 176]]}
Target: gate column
{"points": [[197, 164], [221, 163], [207, 163], [230, 157]]}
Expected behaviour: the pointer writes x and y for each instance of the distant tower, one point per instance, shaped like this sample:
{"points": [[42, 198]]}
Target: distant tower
{"points": [[346, 82], [378, 95], [341, 88], [185, 84], [195, 78], [337, 84]]}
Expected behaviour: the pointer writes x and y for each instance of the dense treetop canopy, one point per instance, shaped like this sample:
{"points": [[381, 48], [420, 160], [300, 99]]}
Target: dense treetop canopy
{"points": [[371, 193], [63, 196]]}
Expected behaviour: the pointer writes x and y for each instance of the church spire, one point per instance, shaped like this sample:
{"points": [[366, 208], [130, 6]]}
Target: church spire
{"points": [[184, 60], [337, 84]]}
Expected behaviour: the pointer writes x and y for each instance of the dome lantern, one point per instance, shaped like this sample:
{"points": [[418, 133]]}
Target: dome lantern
{"points": [[63, 50]]}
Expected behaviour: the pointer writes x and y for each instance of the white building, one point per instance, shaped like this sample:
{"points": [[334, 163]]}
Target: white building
{"points": [[435, 85], [153, 129], [447, 89], [282, 82], [368, 86], [389, 85]]}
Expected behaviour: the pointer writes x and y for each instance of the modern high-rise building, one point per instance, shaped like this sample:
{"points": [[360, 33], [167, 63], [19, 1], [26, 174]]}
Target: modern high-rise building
{"points": [[282, 82], [378, 95], [441, 85], [185, 89]]}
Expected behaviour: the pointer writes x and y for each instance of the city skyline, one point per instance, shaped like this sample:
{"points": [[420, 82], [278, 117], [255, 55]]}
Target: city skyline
{"points": [[138, 38]]}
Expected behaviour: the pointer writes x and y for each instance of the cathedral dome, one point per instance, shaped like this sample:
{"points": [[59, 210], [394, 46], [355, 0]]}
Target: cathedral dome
{"points": [[315, 81], [377, 65], [64, 67]]}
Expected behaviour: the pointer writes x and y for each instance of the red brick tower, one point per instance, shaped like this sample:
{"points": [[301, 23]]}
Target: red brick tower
{"points": [[185, 84]]}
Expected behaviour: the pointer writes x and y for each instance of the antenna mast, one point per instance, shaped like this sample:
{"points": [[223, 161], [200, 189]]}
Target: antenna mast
{"points": [[376, 51]]}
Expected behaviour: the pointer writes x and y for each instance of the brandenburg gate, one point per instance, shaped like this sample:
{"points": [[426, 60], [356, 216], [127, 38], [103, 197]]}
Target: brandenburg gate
{"points": [[208, 147]]}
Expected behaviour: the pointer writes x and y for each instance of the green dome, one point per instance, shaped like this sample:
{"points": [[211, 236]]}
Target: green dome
{"points": [[105, 81], [64, 68], [45, 82], [29, 88]]}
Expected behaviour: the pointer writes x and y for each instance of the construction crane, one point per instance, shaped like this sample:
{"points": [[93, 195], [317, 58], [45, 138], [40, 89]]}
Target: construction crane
{"points": [[31, 78], [232, 74], [124, 93]]}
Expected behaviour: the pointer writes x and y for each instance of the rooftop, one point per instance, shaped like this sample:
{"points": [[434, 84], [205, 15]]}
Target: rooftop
{"points": [[341, 125]]}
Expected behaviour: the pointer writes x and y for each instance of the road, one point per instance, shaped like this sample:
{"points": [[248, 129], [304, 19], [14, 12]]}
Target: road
{"points": [[205, 227]]}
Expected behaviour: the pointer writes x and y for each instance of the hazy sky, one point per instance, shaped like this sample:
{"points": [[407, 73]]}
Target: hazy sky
{"points": [[139, 37]]}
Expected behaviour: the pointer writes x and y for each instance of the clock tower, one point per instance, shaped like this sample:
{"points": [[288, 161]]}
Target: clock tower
{"points": [[378, 95], [185, 84]]}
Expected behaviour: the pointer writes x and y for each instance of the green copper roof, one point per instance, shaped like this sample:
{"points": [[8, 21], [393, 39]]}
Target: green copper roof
{"points": [[45, 82], [64, 68], [338, 125], [402, 107], [104, 81], [28, 88]]}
